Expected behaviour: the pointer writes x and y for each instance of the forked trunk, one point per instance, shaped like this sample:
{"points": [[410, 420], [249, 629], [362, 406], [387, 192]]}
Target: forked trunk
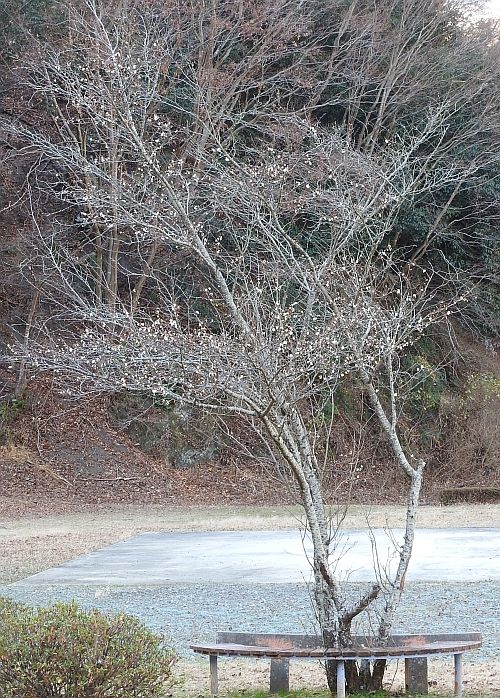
{"points": [[337, 635], [361, 677]]}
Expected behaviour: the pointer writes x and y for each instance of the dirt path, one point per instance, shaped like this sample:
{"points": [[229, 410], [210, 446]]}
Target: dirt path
{"points": [[481, 680], [33, 543]]}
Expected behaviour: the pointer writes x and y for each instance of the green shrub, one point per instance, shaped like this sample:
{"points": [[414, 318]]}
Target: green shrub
{"points": [[66, 651], [20, 19], [9, 411], [471, 495]]}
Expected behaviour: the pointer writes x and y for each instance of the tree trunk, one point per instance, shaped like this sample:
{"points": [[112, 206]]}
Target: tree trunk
{"points": [[341, 638], [362, 677], [22, 374], [378, 671]]}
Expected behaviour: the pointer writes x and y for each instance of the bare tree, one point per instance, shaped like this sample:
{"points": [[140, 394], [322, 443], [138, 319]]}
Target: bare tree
{"points": [[174, 134]]}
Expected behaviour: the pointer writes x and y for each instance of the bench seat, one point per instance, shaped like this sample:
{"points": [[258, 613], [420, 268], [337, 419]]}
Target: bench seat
{"points": [[426, 650], [415, 649]]}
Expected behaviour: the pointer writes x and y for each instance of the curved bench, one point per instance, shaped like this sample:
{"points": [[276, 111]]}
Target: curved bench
{"points": [[415, 649]]}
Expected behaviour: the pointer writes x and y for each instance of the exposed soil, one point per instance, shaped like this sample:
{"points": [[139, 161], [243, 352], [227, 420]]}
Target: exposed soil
{"points": [[59, 456], [480, 679]]}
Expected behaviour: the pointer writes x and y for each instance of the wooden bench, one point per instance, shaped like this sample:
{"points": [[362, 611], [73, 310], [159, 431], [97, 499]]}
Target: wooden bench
{"points": [[280, 648]]}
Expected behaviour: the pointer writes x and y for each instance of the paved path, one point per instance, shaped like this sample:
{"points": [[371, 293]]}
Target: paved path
{"points": [[276, 557]]}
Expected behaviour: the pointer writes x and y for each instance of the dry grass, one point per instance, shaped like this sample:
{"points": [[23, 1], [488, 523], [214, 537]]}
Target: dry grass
{"points": [[245, 677], [17, 453]]}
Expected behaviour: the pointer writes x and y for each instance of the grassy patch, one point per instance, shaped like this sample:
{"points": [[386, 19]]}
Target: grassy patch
{"points": [[318, 693], [17, 453], [305, 693]]}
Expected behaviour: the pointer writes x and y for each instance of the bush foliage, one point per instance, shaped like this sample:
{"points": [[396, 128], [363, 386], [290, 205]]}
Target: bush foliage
{"points": [[471, 495], [65, 651]]}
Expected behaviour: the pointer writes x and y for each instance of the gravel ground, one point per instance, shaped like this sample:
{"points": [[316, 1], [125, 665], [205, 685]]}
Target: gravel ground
{"points": [[193, 612]]}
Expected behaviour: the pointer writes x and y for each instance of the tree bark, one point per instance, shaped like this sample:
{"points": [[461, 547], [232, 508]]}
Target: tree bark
{"points": [[22, 373]]}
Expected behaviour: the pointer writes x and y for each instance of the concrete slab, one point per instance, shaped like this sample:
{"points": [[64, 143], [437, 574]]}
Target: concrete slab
{"points": [[253, 557]]}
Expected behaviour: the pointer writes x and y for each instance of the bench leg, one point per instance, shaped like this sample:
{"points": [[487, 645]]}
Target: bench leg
{"points": [[340, 679], [214, 682], [458, 675], [279, 675], [416, 675]]}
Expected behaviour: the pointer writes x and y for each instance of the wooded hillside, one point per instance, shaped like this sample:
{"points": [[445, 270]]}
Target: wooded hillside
{"points": [[227, 220]]}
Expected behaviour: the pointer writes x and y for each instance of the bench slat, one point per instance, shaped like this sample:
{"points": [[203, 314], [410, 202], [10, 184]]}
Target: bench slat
{"points": [[424, 649], [289, 640]]}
